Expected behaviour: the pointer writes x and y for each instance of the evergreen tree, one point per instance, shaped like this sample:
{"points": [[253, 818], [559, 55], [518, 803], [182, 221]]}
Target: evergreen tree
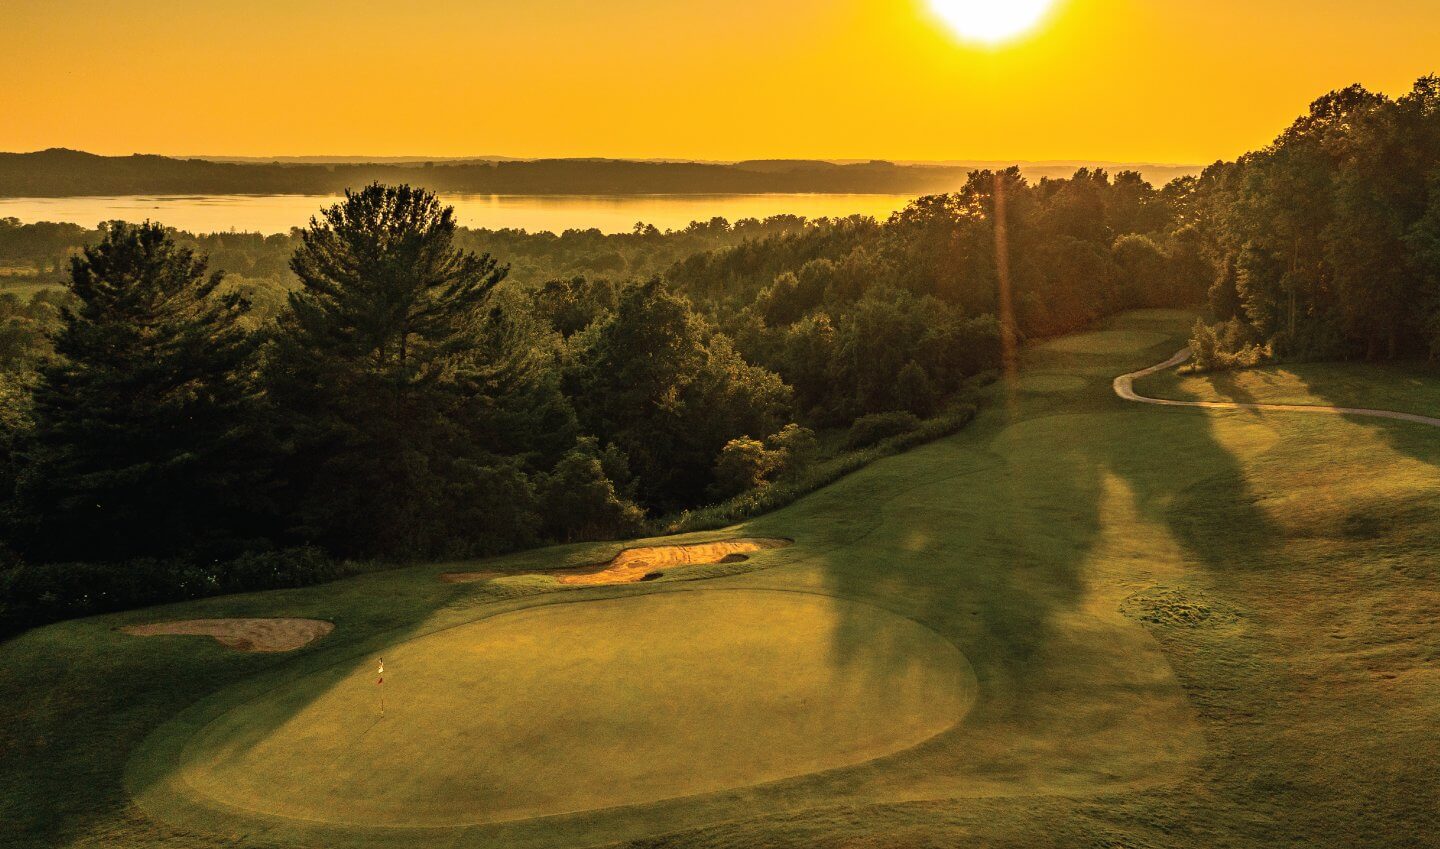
{"points": [[373, 367], [145, 439]]}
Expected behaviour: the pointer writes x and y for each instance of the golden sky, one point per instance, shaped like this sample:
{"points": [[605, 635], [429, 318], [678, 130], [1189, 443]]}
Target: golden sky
{"points": [[1132, 80]]}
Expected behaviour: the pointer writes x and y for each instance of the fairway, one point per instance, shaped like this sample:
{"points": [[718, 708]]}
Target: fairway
{"points": [[571, 707]]}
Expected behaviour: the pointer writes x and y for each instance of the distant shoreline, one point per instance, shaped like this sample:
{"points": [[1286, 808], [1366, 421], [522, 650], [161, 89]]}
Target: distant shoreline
{"points": [[66, 173]]}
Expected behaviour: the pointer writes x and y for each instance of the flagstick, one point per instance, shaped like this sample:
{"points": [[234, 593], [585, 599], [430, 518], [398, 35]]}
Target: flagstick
{"points": [[380, 682]]}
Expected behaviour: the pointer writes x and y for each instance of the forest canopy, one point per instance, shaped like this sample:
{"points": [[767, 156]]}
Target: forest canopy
{"points": [[1327, 242]]}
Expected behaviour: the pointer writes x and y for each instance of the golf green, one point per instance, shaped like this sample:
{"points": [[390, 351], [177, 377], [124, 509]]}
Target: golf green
{"points": [[564, 708]]}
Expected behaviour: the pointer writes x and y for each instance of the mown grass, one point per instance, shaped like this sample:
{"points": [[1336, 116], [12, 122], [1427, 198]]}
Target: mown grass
{"points": [[1412, 387], [1185, 628]]}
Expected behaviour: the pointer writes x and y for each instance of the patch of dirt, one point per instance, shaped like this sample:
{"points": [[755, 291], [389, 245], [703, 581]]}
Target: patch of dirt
{"points": [[250, 635], [640, 564], [1172, 607]]}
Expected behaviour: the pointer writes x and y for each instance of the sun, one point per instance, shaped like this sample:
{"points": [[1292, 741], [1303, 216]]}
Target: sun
{"points": [[991, 21]]}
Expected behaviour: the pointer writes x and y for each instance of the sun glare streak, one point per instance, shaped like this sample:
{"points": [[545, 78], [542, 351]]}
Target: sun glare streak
{"points": [[991, 22]]}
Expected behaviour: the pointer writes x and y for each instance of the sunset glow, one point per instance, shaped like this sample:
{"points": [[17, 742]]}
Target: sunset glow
{"points": [[992, 21], [833, 79]]}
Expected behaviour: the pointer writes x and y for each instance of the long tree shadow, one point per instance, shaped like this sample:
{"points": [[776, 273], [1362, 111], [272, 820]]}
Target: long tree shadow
{"points": [[1011, 540], [1299, 523]]}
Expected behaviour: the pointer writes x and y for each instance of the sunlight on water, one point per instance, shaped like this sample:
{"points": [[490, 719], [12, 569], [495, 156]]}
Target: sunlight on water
{"points": [[556, 213]]}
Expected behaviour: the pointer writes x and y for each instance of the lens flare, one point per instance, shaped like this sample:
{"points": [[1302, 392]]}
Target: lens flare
{"points": [[991, 21]]}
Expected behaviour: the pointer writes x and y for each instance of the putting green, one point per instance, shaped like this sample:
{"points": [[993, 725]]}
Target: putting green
{"points": [[580, 706]]}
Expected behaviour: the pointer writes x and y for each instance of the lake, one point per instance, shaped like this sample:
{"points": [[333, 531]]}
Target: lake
{"points": [[556, 213]]}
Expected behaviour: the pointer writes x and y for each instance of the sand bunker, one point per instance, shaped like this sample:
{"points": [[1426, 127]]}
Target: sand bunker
{"points": [[252, 635], [636, 564]]}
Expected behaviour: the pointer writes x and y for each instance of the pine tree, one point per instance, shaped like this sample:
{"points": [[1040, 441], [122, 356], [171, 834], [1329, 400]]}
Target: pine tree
{"points": [[145, 439], [372, 370]]}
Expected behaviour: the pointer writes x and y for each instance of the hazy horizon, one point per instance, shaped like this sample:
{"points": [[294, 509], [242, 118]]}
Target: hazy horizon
{"points": [[402, 158]]}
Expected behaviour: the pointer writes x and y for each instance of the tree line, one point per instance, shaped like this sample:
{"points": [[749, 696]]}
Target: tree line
{"points": [[60, 172], [1326, 243], [40, 252]]}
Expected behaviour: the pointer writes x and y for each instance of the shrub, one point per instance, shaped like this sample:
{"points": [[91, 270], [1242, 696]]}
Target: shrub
{"points": [[744, 464], [914, 391], [798, 445], [1226, 346], [877, 427], [579, 500]]}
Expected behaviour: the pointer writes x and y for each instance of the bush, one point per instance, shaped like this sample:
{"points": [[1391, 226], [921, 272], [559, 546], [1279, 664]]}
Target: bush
{"points": [[914, 390], [743, 464], [798, 445], [877, 427], [32, 595], [1227, 346], [579, 500]]}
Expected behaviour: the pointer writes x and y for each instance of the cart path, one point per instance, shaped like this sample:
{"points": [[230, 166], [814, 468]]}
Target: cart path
{"points": [[1125, 388]]}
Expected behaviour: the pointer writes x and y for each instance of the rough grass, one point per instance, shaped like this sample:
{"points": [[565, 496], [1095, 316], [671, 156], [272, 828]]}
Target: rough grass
{"points": [[1186, 628]]}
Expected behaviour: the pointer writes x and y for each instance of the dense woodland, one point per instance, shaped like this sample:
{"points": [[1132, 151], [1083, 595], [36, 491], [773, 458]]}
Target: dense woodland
{"points": [[1327, 242], [203, 413]]}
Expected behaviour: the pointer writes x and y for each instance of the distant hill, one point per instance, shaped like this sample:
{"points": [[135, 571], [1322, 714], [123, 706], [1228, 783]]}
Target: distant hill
{"points": [[60, 173]]}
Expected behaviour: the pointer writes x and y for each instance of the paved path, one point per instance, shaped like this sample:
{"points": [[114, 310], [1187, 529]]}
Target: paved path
{"points": [[1125, 388]]}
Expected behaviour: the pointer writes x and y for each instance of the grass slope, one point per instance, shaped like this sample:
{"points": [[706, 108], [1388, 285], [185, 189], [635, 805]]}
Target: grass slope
{"points": [[1080, 622]]}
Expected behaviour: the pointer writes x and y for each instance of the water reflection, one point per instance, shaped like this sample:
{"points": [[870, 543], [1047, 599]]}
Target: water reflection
{"points": [[555, 213]]}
